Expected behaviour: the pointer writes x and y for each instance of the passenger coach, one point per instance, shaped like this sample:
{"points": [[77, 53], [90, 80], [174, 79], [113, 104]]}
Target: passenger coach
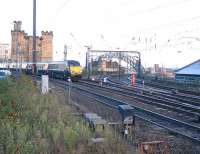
{"points": [[58, 69]]}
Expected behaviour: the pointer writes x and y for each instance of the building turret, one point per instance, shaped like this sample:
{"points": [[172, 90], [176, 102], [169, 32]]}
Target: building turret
{"points": [[17, 25], [47, 45], [22, 43]]}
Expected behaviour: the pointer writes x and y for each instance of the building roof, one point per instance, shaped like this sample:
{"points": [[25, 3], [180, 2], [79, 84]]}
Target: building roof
{"points": [[190, 69]]}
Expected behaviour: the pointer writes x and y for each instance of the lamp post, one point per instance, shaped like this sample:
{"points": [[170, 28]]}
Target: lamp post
{"points": [[69, 91], [34, 39], [21, 60], [88, 64], [119, 65], [17, 29], [65, 52], [139, 65]]}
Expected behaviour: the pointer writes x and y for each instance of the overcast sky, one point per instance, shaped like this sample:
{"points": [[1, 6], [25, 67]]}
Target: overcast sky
{"points": [[166, 32]]}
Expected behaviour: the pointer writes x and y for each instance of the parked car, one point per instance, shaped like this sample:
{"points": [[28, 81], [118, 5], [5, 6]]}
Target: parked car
{"points": [[4, 74], [7, 72]]}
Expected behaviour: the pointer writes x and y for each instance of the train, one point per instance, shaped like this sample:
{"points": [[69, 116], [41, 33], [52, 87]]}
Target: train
{"points": [[55, 69]]}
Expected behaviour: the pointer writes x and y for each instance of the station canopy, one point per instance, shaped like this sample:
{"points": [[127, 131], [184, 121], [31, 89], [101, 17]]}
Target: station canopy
{"points": [[190, 69]]}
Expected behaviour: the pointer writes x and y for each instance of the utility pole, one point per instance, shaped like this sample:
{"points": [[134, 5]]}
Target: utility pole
{"points": [[65, 57], [17, 29], [69, 91], [88, 61], [119, 65], [139, 65], [34, 39], [17, 48], [65, 53], [21, 60]]}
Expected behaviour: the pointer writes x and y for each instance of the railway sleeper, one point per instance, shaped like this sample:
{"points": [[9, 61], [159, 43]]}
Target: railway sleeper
{"points": [[198, 119], [167, 105]]}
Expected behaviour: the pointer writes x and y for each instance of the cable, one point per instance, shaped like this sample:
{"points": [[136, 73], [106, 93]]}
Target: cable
{"points": [[102, 37], [161, 6], [72, 35], [168, 24], [77, 42], [164, 25], [58, 10], [61, 7]]}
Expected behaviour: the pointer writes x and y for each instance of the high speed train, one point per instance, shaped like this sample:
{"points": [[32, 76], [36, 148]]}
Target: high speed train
{"points": [[55, 69]]}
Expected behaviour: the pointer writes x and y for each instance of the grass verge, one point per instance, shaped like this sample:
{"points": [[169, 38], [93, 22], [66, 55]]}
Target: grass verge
{"points": [[35, 123]]}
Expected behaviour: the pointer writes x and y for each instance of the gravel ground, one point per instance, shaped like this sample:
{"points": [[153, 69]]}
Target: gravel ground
{"points": [[143, 131], [154, 108]]}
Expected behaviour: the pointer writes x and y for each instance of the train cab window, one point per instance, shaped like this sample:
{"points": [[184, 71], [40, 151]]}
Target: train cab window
{"points": [[73, 63]]}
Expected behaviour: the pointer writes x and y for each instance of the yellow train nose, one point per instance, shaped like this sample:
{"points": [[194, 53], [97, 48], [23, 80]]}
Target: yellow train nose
{"points": [[75, 70]]}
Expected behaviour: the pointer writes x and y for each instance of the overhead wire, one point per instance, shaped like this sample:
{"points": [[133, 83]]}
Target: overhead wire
{"points": [[62, 6], [52, 22], [173, 3], [167, 25], [77, 42], [161, 6], [105, 41], [163, 25]]}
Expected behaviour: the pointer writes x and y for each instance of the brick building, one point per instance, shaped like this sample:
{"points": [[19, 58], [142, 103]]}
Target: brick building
{"points": [[44, 45]]}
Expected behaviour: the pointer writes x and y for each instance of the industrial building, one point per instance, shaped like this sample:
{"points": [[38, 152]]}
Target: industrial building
{"points": [[160, 71], [189, 73], [107, 66]]}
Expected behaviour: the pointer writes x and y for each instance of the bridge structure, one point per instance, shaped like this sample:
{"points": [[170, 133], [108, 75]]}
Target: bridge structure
{"points": [[131, 58]]}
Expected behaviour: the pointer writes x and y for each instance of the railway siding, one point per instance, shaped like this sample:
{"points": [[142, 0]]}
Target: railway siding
{"points": [[173, 125]]}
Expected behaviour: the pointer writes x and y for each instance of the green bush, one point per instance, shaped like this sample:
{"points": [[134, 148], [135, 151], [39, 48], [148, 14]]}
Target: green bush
{"points": [[34, 123], [31, 122]]}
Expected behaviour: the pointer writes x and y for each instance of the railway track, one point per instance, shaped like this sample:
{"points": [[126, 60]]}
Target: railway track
{"points": [[172, 105], [171, 124], [168, 89], [160, 85], [157, 86], [182, 97]]}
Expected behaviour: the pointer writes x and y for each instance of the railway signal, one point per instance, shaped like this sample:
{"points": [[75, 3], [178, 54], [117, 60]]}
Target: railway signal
{"points": [[133, 79]]}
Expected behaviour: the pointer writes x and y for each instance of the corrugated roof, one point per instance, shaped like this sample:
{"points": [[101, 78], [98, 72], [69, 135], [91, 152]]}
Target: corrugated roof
{"points": [[190, 69]]}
